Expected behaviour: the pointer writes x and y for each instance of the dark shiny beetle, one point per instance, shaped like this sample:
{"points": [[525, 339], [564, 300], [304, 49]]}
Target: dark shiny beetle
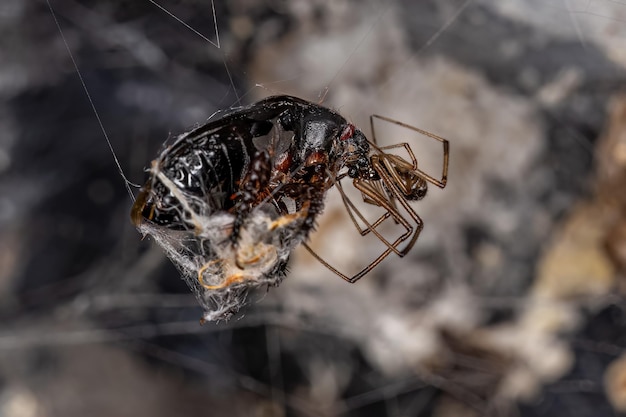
{"points": [[229, 200]]}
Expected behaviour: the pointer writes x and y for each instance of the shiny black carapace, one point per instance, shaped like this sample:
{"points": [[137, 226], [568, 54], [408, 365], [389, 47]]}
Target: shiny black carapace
{"points": [[230, 199]]}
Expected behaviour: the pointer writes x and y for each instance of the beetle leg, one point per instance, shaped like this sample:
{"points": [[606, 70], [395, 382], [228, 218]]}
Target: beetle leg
{"points": [[256, 179]]}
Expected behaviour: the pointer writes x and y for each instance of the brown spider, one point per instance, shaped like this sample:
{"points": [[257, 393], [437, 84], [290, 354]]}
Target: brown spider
{"points": [[397, 180]]}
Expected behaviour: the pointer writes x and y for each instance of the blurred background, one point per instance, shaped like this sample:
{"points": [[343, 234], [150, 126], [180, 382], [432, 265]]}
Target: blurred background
{"points": [[510, 304]]}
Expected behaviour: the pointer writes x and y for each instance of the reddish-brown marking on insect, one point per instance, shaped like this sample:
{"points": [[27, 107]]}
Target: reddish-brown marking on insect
{"points": [[283, 162], [316, 158], [348, 132]]}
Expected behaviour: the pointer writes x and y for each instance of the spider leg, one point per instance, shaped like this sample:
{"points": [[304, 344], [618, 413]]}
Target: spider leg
{"points": [[411, 231], [351, 209], [373, 194], [393, 188], [356, 276], [377, 198], [441, 183]]}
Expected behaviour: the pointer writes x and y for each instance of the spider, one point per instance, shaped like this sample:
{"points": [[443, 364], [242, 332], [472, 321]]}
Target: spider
{"points": [[397, 179]]}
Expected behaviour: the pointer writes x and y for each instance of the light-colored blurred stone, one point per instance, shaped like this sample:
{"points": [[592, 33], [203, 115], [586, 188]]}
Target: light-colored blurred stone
{"points": [[615, 383]]}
